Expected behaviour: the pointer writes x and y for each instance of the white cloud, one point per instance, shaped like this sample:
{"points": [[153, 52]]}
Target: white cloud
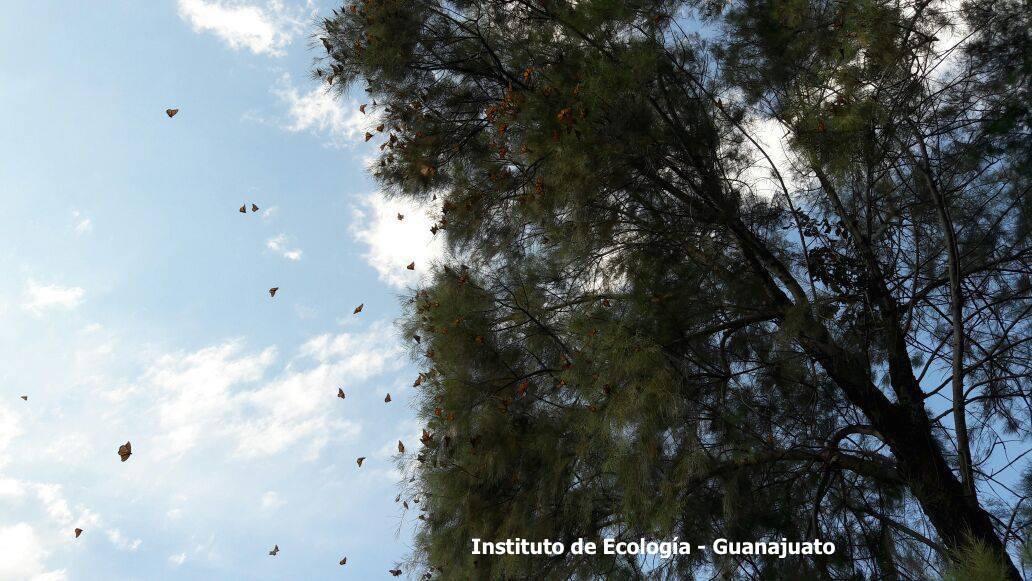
{"points": [[271, 500], [319, 112], [38, 298], [771, 136], [279, 245], [10, 428], [222, 394], [23, 555], [83, 225], [391, 243], [261, 28], [177, 560], [121, 542]]}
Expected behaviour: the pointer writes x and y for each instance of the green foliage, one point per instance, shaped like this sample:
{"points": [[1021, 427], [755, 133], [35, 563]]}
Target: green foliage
{"points": [[632, 337], [975, 562]]}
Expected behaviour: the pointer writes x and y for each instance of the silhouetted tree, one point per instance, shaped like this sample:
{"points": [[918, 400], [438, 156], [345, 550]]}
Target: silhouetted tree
{"points": [[754, 270]]}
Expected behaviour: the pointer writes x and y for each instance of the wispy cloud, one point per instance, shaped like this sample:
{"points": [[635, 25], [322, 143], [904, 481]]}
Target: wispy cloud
{"points": [[280, 245], [223, 394], [319, 112], [39, 298], [177, 560], [82, 223], [271, 500], [391, 243], [262, 28], [24, 554]]}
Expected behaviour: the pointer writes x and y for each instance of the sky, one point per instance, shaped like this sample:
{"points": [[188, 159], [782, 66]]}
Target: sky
{"points": [[134, 300]]}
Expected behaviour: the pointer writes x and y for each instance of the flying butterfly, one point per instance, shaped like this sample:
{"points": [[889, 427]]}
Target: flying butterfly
{"points": [[395, 572], [274, 551], [243, 209], [78, 532], [387, 399], [362, 108], [401, 216], [401, 447], [368, 136], [171, 112], [360, 460], [124, 451], [344, 561], [411, 266], [340, 393], [272, 291], [25, 397], [254, 208]]}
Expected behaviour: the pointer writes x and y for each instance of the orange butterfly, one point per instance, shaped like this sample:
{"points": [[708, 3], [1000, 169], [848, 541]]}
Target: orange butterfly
{"points": [[124, 451], [272, 291], [171, 112]]}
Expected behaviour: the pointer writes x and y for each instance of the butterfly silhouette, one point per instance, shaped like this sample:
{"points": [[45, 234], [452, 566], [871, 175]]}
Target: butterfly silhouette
{"points": [[171, 112], [254, 208], [344, 561], [401, 447], [387, 399], [274, 551], [360, 460], [411, 266], [243, 209], [358, 309], [272, 291], [124, 451], [401, 216], [340, 393], [25, 397], [78, 532], [395, 572]]}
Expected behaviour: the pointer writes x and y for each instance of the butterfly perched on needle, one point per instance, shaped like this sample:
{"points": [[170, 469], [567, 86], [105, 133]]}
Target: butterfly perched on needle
{"points": [[171, 112], [124, 451]]}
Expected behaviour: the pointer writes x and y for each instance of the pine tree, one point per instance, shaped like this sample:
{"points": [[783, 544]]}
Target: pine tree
{"points": [[653, 324]]}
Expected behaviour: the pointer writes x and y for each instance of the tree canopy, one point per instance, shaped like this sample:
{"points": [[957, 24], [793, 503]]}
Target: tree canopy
{"points": [[755, 269]]}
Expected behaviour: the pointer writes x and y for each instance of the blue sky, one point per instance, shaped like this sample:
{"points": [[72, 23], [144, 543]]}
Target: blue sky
{"points": [[134, 304]]}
